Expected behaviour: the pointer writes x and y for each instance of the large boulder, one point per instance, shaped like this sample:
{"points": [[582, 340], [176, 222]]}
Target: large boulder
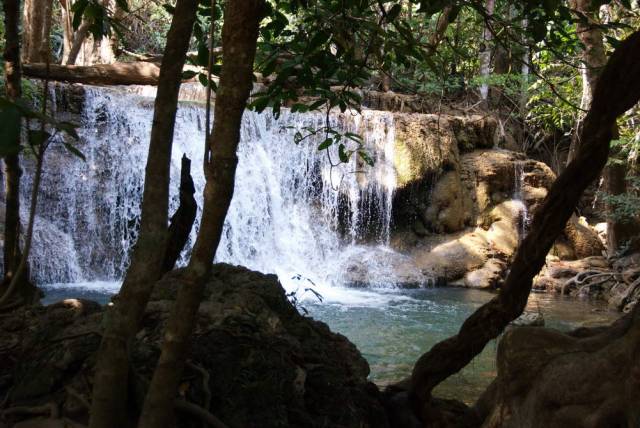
{"points": [[587, 378], [583, 239], [427, 159], [254, 358]]}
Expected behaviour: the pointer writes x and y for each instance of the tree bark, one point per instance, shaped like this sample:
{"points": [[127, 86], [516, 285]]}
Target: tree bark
{"points": [[182, 220], [12, 171], [485, 53], [37, 28], [239, 40], [444, 19], [79, 37], [125, 73], [621, 232], [593, 59], [108, 407], [617, 91], [20, 278]]}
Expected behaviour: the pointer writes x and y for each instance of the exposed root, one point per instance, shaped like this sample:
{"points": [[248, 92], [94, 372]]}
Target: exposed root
{"points": [[199, 412], [205, 382], [79, 397], [50, 408]]}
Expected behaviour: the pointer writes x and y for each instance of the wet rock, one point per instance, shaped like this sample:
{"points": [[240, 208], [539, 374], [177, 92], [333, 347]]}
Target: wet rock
{"points": [[393, 268], [531, 319], [268, 365], [583, 238], [592, 377], [489, 276]]}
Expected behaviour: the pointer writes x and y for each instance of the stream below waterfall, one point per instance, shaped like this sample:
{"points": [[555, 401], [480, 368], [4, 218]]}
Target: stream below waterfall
{"points": [[293, 214], [393, 328]]}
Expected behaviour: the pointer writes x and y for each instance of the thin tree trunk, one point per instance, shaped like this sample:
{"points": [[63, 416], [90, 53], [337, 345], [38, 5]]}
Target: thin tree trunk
{"points": [[67, 30], [20, 276], [12, 254], [593, 60], [12, 171], [108, 407], [485, 54], [239, 39], [617, 91], [79, 37], [444, 19], [621, 232], [20, 279], [37, 27]]}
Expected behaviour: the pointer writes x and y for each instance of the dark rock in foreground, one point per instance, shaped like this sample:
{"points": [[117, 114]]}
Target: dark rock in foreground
{"points": [[254, 358]]}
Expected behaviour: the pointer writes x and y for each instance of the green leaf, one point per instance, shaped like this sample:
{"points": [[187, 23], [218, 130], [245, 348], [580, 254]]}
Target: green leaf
{"points": [[78, 11], [342, 154], [188, 74], [326, 144], [202, 59], [259, 104], [68, 127], [316, 105], [365, 157], [74, 151], [203, 79], [38, 137]]}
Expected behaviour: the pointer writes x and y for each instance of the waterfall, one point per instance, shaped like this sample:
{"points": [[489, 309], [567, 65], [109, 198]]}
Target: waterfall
{"points": [[518, 195], [292, 214]]}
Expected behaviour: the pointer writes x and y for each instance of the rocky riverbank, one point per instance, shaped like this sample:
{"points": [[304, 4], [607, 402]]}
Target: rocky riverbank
{"points": [[255, 361]]}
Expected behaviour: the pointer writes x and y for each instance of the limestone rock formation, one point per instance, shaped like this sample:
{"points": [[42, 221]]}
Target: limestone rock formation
{"points": [[254, 362], [587, 378]]}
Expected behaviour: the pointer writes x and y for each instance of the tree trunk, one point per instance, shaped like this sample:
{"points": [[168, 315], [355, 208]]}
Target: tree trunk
{"points": [[239, 39], [621, 232], [20, 277], [485, 53], [79, 38], [79, 46], [617, 91], [37, 27], [593, 59], [108, 407], [444, 19], [12, 171], [124, 73], [182, 220]]}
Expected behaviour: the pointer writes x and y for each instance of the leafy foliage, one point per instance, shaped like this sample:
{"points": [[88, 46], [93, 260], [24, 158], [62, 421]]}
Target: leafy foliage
{"points": [[14, 114]]}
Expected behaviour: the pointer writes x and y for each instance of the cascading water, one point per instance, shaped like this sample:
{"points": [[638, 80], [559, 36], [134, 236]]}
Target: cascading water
{"points": [[518, 195], [293, 213]]}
